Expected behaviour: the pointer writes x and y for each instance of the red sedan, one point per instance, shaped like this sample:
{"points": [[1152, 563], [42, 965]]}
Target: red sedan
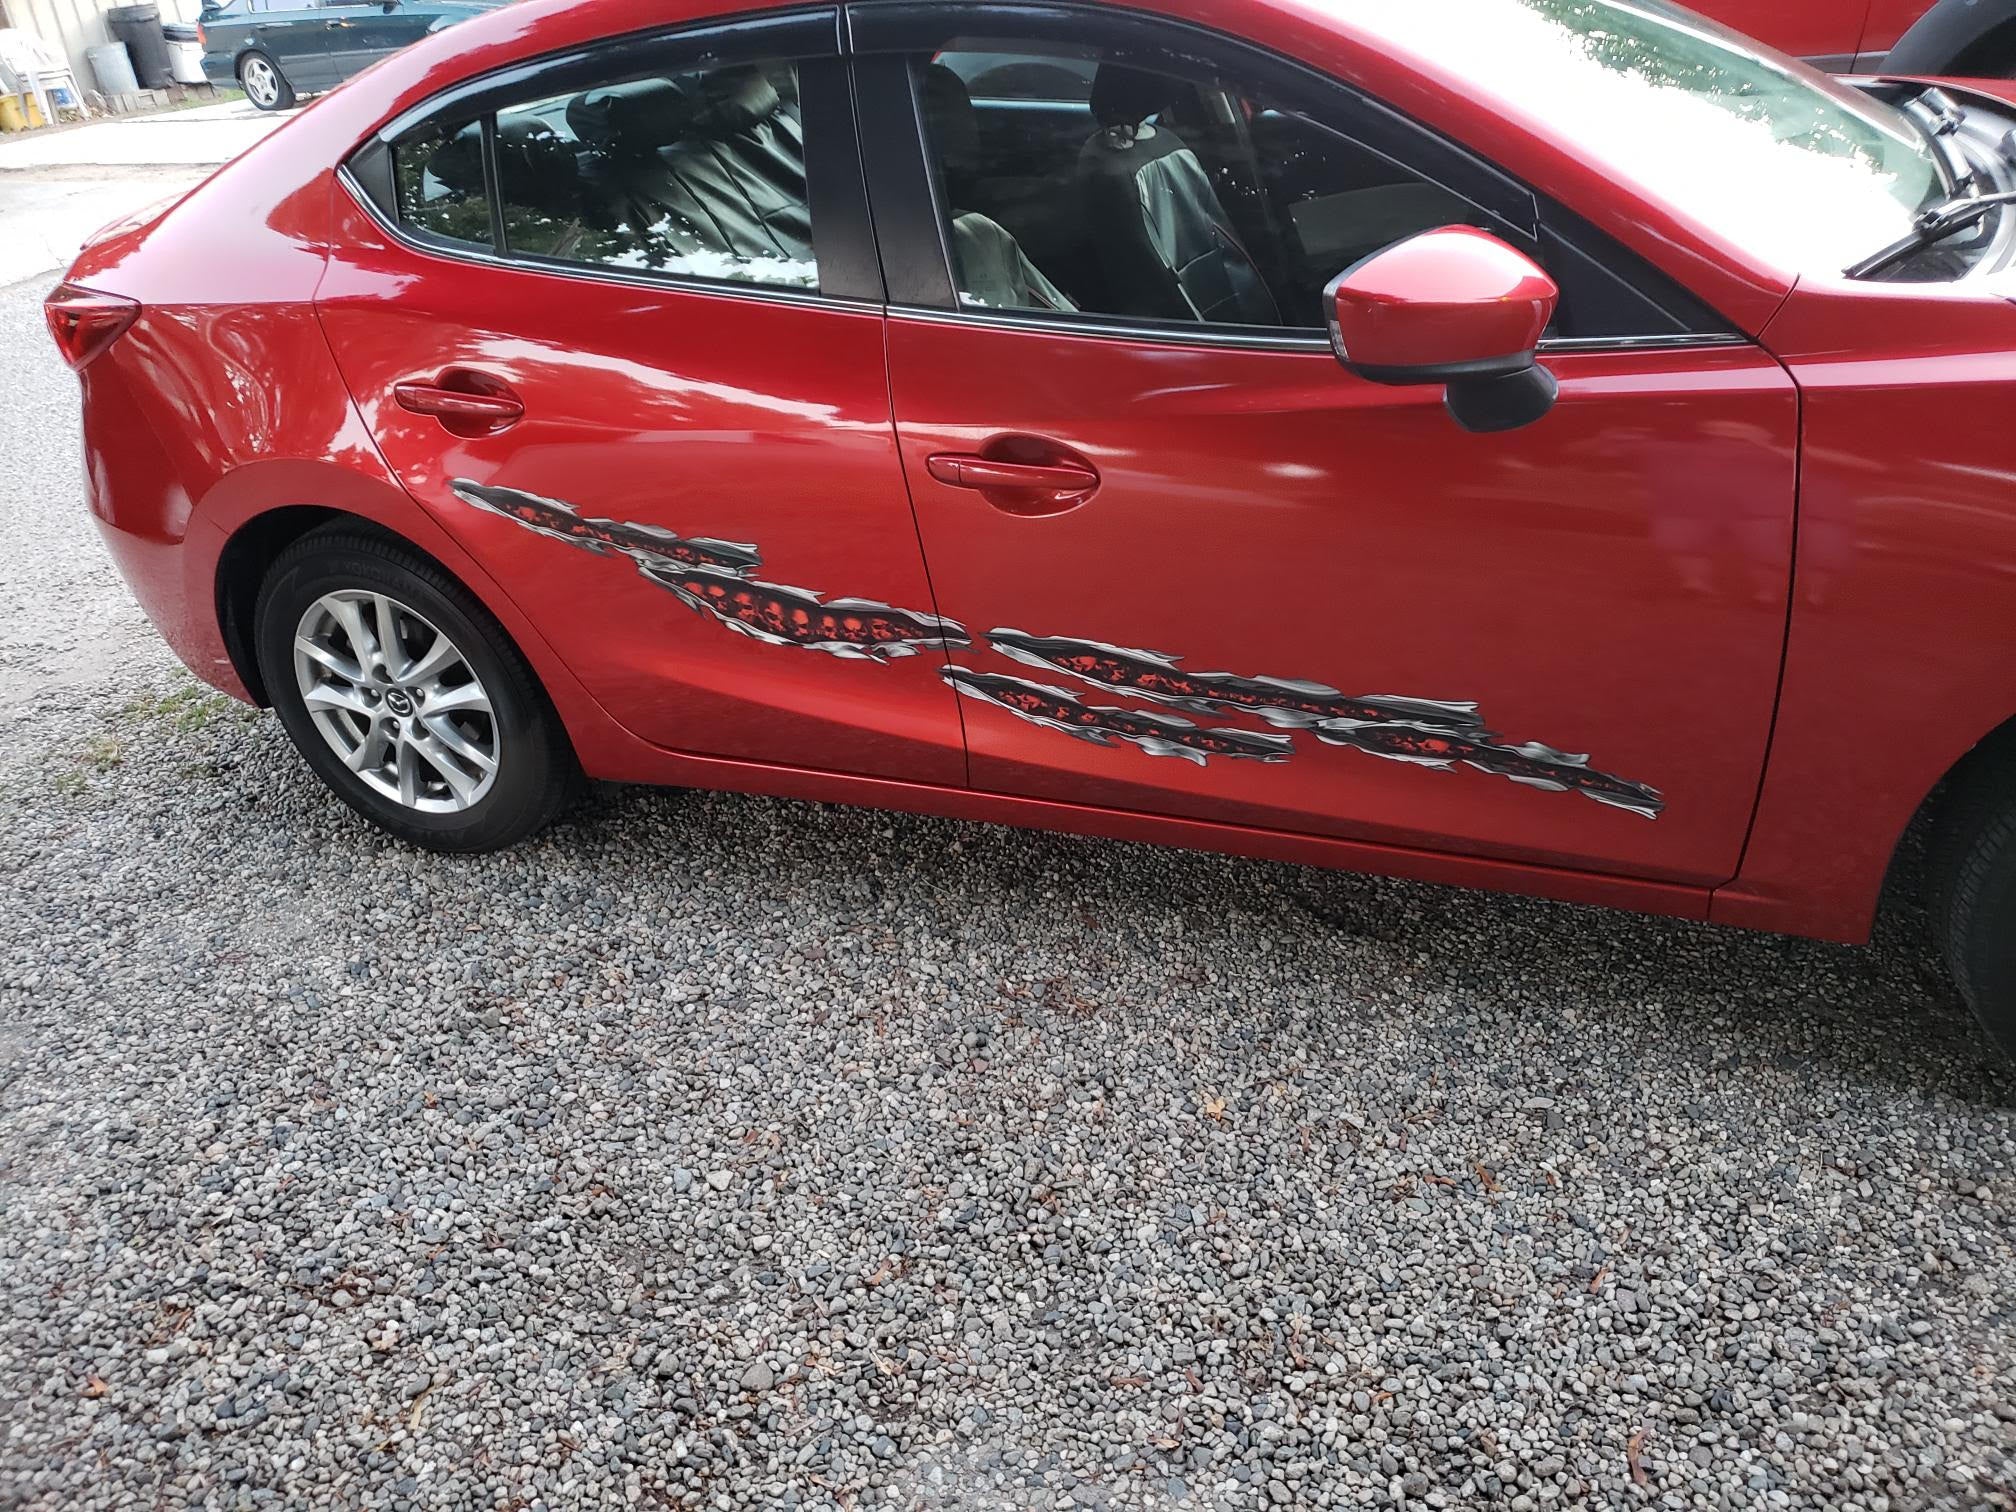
{"points": [[1551, 445], [1908, 36]]}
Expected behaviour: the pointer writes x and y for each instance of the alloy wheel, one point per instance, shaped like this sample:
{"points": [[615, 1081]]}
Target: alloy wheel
{"points": [[397, 701], [261, 82]]}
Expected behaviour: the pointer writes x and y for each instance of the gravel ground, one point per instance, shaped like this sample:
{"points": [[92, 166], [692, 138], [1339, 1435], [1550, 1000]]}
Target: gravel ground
{"points": [[719, 1152]]}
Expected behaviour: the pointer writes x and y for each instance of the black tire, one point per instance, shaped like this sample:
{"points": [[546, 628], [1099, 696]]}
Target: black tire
{"points": [[1971, 885], [279, 97], [536, 774]]}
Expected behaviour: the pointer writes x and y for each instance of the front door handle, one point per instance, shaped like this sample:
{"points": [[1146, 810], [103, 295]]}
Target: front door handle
{"points": [[1017, 487], [468, 403]]}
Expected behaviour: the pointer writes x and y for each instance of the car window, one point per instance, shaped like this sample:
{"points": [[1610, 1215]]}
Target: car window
{"points": [[1075, 182], [698, 174], [1807, 171], [438, 176]]}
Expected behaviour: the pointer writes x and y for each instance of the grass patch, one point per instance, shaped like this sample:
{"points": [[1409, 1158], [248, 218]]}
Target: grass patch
{"points": [[188, 706]]}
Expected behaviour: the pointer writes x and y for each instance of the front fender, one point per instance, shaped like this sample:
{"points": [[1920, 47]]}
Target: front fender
{"points": [[1958, 37]]}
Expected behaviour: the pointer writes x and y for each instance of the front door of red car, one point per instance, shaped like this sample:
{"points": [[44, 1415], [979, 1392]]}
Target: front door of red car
{"points": [[1208, 572], [616, 324]]}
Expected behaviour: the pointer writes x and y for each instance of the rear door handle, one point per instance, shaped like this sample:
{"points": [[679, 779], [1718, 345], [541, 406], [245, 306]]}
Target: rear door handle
{"points": [[466, 403], [1060, 485]]}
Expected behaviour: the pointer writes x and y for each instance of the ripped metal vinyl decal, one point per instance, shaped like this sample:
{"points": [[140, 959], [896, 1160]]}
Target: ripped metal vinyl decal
{"points": [[562, 522], [714, 578], [1157, 734], [1435, 733], [855, 628], [717, 579], [1532, 764], [1158, 677]]}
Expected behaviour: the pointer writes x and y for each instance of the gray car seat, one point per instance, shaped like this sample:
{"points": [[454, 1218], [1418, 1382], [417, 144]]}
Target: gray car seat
{"points": [[988, 262], [707, 172], [1166, 245]]}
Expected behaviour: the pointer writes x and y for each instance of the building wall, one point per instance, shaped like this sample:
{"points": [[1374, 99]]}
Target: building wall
{"points": [[70, 26]]}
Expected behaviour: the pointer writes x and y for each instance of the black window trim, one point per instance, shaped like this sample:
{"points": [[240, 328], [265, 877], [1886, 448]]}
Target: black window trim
{"points": [[882, 36], [844, 248]]}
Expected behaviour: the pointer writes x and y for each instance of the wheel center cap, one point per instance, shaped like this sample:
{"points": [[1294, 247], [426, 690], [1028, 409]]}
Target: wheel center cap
{"points": [[399, 703]]}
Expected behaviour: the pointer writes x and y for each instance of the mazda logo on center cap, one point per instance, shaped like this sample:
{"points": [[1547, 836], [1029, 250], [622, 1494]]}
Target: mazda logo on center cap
{"points": [[399, 703]]}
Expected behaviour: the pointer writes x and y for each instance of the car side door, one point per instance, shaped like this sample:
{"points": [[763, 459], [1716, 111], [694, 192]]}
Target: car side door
{"points": [[615, 321], [1210, 573], [360, 32], [295, 35]]}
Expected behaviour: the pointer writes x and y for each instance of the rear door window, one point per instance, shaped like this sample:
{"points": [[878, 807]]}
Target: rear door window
{"points": [[694, 174]]}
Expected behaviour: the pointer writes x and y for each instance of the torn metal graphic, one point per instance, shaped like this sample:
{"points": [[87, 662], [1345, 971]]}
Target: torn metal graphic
{"points": [[1160, 678], [854, 628], [1532, 764], [562, 522], [1156, 734]]}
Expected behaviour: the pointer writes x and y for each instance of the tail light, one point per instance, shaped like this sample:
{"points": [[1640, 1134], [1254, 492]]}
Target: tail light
{"points": [[85, 322], [202, 37]]}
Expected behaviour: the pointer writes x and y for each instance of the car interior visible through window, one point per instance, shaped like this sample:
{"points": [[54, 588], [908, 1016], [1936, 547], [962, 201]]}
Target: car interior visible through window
{"points": [[1078, 182], [699, 174]]}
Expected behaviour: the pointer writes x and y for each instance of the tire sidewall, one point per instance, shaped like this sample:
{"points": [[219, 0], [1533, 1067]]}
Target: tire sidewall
{"points": [[526, 745]]}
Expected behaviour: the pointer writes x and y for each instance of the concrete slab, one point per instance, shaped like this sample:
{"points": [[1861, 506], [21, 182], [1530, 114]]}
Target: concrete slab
{"points": [[203, 136], [50, 214]]}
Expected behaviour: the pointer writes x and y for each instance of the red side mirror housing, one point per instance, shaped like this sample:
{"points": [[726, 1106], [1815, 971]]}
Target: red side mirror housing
{"points": [[1455, 307]]}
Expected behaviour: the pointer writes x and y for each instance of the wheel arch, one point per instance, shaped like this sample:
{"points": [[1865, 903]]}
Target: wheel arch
{"points": [[254, 536], [242, 567], [1926, 817], [1958, 38]]}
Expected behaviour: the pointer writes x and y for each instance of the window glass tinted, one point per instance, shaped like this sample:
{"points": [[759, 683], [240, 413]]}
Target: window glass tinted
{"points": [[438, 174], [1077, 182], [698, 174]]}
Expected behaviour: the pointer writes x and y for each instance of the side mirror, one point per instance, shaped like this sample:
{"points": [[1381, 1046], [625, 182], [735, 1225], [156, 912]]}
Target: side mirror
{"points": [[1456, 307]]}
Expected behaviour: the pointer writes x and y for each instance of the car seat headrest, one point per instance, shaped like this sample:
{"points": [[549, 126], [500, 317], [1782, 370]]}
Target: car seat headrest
{"points": [[1123, 96], [458, 162], [731, 100], [631, 119], [536, 166], [954, 124]]}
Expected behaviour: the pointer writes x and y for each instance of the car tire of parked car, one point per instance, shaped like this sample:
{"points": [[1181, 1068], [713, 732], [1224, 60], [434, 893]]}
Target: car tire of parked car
{"points": [[451, 750], [1971, 879], [264, 85]]}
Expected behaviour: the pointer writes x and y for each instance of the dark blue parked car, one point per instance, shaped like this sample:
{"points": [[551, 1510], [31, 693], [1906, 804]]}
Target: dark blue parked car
{"points": [[280, 49]]}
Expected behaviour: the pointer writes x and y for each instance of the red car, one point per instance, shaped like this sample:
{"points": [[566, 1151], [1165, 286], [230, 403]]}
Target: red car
{"points": [[1970, 37], [1550, 445]]}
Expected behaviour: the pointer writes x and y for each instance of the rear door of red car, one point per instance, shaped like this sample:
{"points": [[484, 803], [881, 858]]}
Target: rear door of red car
{"points": [[615, 320], [1284, 596]]}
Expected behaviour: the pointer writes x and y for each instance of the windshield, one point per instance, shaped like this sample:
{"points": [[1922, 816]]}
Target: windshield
{"points": [[1771, 154]]}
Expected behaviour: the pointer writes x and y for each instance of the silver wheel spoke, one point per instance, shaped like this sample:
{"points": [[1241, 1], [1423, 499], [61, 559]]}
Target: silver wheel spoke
{"points": [[447, 735], [363, 644], [462, 782], [439, 658], [388, 637], [468, 698], [370, 751], [328, 657], [409, 774], [329, 695]]}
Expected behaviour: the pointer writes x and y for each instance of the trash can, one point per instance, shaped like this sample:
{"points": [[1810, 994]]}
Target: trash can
{"points": [[112, 68], [185, 52], [139, 27]]}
